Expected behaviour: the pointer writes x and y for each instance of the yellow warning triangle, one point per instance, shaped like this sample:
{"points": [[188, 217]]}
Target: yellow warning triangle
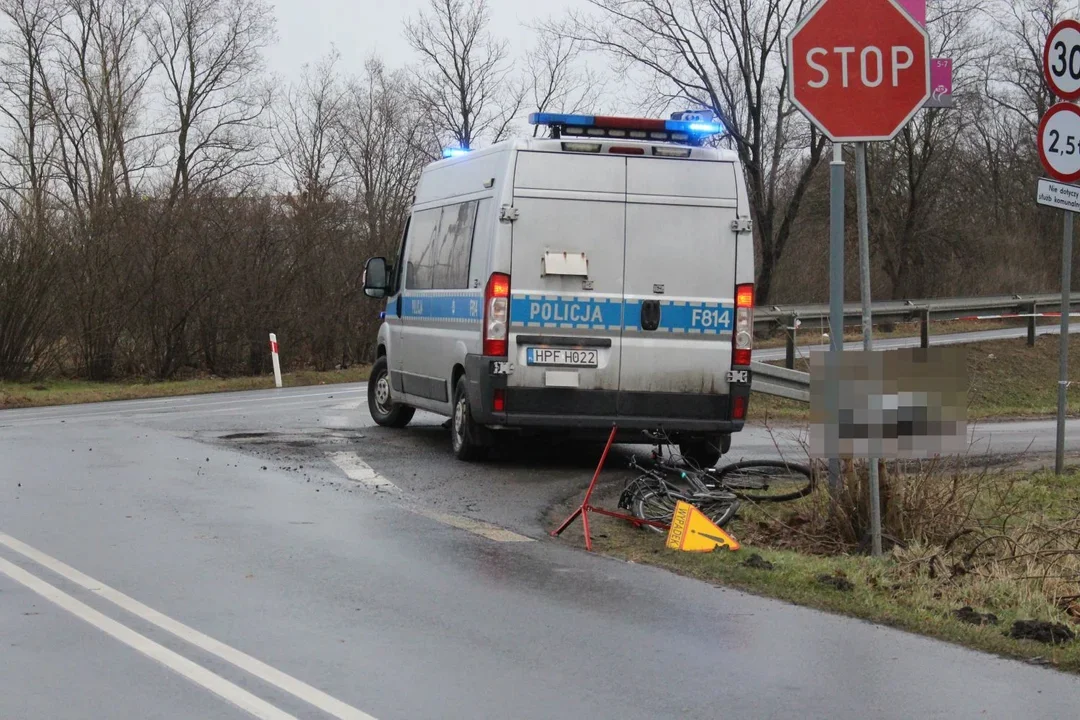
{"points": [[691, 531]]}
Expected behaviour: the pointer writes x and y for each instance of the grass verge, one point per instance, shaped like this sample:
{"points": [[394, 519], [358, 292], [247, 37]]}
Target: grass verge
{"points": [[999, 542], [67, 392], [1007, 379]]}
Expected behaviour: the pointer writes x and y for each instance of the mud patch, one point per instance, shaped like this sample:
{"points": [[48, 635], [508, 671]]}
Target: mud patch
{"points": [[969, 615], [1041, 631]]}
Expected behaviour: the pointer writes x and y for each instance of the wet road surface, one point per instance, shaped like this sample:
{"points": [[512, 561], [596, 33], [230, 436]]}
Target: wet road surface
{"points": [[271, 554]]}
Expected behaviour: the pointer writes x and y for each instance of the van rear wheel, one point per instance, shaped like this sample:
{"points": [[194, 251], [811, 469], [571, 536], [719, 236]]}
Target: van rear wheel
{"points": [[705, 452], [384, 411], [465, 435]]}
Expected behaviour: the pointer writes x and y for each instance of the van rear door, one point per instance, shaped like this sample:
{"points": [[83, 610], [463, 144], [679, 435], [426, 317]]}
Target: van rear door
{"points": [[679, 287], [566, 284]]}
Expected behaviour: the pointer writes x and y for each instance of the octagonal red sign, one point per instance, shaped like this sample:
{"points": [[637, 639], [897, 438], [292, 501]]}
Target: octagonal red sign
{"points": [[859, 69]]}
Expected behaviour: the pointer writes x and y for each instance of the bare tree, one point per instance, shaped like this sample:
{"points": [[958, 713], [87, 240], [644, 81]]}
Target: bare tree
{"points": [[94, 93], [465, 81], [918, 228], [209, 53], [726, 55], [29, 154], [559, 80], [385, 147], [307, 123]]}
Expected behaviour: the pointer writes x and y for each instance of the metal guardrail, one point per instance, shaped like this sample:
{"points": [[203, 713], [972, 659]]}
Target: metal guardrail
{"points": [[779, 381], [767, 319], [779, 316]]}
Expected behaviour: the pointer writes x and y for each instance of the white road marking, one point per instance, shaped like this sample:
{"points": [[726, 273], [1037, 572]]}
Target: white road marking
{"points": [[359, 471], [177, 663], [297, 688], [356, 469], [70, 412], [476, 527]]}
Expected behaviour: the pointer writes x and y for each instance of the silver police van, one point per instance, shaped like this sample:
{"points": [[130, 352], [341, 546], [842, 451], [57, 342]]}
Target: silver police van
{"points": [[601, 276]]}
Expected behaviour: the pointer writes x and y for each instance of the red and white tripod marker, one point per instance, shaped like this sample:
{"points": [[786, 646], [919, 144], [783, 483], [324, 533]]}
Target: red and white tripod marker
{"points": [[277, 362]]}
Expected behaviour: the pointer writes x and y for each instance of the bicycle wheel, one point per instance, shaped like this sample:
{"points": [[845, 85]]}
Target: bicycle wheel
{"points": [[652, 503], [767, 480], [720, 511]]}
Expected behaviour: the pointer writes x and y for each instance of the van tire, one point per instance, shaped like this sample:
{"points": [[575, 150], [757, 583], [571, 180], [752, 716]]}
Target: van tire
{"points": [[704, 452], [384, 411], [466, 437]]}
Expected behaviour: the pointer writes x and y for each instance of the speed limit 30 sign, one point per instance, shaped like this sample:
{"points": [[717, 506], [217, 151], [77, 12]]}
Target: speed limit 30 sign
{"points": [[1061, 60]]}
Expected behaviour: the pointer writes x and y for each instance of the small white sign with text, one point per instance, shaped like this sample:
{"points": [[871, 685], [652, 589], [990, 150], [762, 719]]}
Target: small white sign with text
{"points": [[1059, 195]]}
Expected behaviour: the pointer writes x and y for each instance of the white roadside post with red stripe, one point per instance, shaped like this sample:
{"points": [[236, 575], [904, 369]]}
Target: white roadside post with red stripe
{"points": [[277, 362]]}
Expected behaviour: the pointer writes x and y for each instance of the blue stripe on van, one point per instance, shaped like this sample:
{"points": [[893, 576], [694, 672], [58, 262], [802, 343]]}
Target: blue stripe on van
{"points": [[458, 307], [696, 318], [612, 314], [568, 312]]}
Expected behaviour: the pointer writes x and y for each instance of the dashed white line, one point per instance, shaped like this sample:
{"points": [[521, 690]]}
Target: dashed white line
{"points": [[356, 469], [476, 527], [177, 663], [297, 688], [359, 471]]}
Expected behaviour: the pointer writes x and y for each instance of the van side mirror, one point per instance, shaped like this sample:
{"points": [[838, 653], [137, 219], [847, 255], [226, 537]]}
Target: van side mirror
{"points": [[376, 277]]}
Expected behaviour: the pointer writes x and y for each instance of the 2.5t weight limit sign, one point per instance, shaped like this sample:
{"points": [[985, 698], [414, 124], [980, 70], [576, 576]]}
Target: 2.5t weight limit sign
{"points": [[1059, 142], [1061, 60]]}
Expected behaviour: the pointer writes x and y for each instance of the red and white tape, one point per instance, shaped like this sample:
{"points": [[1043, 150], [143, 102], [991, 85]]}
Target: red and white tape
{"points": [[1013, 316]]}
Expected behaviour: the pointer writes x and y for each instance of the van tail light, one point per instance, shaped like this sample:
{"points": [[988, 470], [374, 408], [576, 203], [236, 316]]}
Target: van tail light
{"points": [[738, 409], [496, 315], [498, 400], [743, 343]]}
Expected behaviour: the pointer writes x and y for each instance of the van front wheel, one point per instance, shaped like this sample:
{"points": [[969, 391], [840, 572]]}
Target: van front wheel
{"points": [[384, 411], [465, 435]]}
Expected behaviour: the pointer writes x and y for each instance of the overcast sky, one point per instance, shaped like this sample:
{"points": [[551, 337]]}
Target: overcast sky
{"points": [[357, 28]]}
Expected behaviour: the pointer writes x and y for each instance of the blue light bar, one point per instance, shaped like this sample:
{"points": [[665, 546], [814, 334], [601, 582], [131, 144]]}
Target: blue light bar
{"points": [[454, 152], [596, 125]]}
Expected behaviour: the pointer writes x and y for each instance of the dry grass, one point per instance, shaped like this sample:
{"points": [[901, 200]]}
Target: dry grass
{"points": [[67, 392], [997, 539]]}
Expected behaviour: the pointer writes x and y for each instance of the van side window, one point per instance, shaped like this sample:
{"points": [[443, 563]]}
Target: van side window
{"points": [[423, 232], [441, 247], [454, 246]]}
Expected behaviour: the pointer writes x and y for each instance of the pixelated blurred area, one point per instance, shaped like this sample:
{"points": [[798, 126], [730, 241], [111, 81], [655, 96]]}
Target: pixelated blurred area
{"points": [[903, 404]]}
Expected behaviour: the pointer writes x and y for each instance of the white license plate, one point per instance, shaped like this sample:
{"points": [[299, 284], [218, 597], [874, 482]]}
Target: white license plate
{"points": [[565, 357]]}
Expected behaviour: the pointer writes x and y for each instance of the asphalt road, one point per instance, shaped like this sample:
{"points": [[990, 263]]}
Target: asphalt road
{"points": [[897, 343], [271, 554]]}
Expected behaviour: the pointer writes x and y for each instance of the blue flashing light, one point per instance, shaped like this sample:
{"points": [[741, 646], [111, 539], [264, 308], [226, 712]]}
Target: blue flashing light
{"points": [[454, 152], [694, 128], [561, 119]]}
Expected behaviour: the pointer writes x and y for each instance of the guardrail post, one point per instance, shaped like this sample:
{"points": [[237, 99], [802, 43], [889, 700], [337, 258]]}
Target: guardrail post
{"points": [[789, 333], [924, 328], [1032, 322]]}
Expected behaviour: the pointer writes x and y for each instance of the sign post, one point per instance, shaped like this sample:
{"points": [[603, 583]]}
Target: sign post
{"points": [[1059, 150], [859, 70]]}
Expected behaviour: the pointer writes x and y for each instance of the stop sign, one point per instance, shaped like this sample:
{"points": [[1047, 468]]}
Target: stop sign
{"points": [[859, 69]]}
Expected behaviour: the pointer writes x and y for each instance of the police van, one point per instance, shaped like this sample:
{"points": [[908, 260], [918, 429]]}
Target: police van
{"points": [[602, 275]]}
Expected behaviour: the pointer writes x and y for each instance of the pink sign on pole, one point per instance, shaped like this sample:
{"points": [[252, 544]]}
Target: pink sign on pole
{"points": [[940, 83], [916, 9]]}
